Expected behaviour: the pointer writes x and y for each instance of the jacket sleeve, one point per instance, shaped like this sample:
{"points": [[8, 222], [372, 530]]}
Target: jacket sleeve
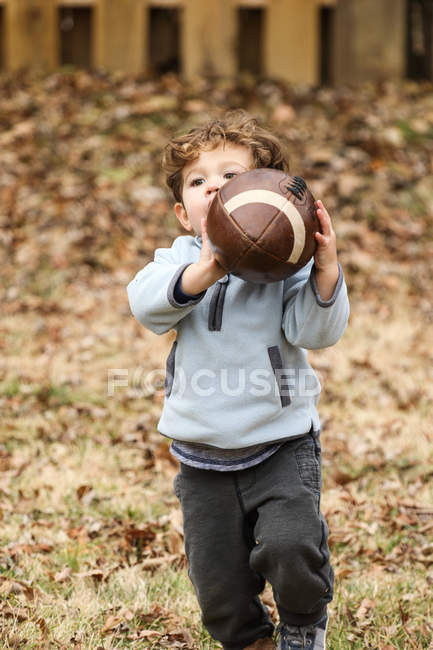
{"points": [[151, 293], [308, 321]]}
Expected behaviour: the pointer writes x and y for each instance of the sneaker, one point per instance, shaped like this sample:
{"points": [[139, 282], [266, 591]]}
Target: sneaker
{"points": [[312, 637]]}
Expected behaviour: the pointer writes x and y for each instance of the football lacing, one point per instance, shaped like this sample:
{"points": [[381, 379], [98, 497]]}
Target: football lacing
{"points": [[297, 187]]}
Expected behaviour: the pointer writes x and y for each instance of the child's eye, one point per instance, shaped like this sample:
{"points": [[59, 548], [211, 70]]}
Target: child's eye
{"points": [[196, 181], [230, 175]]}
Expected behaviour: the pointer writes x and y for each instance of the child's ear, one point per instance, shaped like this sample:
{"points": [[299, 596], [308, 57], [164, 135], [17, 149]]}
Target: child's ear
{"points": [[182, 216]]}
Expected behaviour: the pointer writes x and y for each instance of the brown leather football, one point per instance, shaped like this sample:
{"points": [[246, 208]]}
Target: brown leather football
{"points": [[261, 225]]}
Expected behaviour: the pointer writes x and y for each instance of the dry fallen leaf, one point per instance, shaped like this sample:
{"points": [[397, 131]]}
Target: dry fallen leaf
{"points": [[83, 207], [365, 609], [110, 623], [64, 575], [13, 585]]}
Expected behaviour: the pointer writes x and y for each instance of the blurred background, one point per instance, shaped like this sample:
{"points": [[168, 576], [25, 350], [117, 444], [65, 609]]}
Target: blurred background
{"points": [[91, 551], [307, 41]]}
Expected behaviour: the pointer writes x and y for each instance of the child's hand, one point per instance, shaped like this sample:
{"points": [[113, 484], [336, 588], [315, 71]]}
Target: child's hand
{"points": [[326, 252], [204, 273], [207, 259], [325, 257]]}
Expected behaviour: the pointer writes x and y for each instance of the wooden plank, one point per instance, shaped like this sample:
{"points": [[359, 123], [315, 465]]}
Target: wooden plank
{"points": [[165, 3], [208, 38], [76, 3], [361, 51], [2, 36], [31, 34], [252, 4], [265, 3], [120, 35], [292, 40]]}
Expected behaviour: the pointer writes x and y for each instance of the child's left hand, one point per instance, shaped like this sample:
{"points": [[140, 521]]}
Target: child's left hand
{"points": [[325, 256]]}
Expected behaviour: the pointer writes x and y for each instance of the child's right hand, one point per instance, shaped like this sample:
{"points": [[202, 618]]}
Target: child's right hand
{"points": [[202, 274], [207, 260]]}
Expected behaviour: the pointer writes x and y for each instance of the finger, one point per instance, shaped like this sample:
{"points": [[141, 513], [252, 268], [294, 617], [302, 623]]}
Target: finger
{"points": [[320, 206], [321, 239], [203, 228], [324, 220], [206, 247]]}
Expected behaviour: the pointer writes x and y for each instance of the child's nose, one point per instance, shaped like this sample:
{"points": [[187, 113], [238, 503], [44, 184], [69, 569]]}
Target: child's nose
{"points": [[213, 185]]}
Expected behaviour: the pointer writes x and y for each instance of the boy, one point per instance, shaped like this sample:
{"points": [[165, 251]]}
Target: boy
{"points": [[240, 402]]}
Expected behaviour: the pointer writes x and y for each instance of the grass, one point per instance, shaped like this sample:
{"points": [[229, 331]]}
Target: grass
{"points": [[71, 548], [91, 546], [91, 527]]}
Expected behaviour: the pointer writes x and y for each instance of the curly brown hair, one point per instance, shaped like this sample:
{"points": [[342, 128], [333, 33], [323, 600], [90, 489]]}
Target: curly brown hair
{"points": [[237, 127]]}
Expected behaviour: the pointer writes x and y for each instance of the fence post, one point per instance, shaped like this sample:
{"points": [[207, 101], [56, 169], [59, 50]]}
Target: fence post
{"points": [[31, 30], [291, 44], [369, 40], [208, 38], [120, 35]]}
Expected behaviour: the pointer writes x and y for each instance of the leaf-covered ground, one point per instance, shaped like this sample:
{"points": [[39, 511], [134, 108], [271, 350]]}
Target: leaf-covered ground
{"points": [[91, 549]]}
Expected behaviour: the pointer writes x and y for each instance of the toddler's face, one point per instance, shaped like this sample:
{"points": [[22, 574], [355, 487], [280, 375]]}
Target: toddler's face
{"points": [[203, 177]]}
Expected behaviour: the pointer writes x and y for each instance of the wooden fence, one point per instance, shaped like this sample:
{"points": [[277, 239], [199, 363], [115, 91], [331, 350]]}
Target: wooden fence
{"points": [[297, 40]]}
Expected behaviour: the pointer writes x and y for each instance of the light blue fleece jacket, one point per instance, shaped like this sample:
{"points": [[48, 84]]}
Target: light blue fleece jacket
{"points": [[237, 374]]}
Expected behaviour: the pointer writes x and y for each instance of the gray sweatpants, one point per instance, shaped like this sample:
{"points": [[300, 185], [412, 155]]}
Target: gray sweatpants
{"points": [[262, 523]]}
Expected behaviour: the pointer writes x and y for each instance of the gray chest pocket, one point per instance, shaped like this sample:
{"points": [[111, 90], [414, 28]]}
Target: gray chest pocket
{"points": [[169, 370], [282, 379]]}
